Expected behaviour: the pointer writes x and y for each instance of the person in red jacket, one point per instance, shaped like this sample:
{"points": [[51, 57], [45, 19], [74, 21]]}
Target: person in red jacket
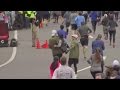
{"points": [[55, 64]]}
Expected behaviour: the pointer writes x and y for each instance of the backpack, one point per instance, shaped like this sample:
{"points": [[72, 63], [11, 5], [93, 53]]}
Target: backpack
{"points": [[13, 43]]}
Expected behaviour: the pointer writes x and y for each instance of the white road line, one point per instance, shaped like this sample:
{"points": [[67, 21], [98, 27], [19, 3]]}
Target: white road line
{"points": [[104, 58], [13, 53]]}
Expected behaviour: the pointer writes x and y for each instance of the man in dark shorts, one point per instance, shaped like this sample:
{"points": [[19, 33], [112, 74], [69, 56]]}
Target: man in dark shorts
{"points": [[84, 32]]}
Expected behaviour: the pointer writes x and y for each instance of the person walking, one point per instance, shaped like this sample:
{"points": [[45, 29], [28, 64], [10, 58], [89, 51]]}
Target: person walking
{"points": [[98, 43], [112, 30], [96, 62], [84, 32], [55, 64], [74, 53], [55, 44], [64, 71], [105, 26]]}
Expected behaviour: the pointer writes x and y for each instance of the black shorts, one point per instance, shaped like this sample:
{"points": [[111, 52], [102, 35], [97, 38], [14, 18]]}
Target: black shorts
{"points": [[74, 26], [72, 61], [84, 41]]}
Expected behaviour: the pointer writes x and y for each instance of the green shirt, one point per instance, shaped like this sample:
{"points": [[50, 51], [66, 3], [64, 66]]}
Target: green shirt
{"points": [[54, 41], [74, 50]]}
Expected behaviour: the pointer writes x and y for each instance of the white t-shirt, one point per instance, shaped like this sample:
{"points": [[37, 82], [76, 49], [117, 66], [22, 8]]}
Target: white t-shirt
{"points": [[64, 72]]}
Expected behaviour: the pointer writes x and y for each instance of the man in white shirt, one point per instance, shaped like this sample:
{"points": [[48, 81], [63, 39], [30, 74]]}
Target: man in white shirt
{"points": [[64, 71]]}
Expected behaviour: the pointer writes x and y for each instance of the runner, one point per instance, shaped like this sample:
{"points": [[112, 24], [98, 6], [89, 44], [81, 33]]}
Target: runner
{"points": [[74, 53], [112, 30], [64, 72], [116, 66], [84, 32], [99, 76], [54, 44], [85, 14], [72, 21], [98, 43], [61, 32], [56, 15], [96, 62], [80, 18], [94, 17], [67, 19], [105, 26], [55, 64]]}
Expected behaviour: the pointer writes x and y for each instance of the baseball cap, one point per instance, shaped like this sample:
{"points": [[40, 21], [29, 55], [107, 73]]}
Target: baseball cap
{"points": [[54, 32], [115, 63]]}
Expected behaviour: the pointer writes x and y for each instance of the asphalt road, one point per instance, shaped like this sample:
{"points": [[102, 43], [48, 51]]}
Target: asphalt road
{"points": [[32, 63]]}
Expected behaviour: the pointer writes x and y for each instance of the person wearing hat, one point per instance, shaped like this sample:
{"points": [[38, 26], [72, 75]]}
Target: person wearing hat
{"points": [[96, 62], [54, 44], [116, 66], [105, 26], [64, 71], [74, 52]]}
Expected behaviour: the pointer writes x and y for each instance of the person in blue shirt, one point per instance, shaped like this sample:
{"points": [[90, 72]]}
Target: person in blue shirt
{"points": [[98, 43], [94, 17], [61, 32], [79, 19]]}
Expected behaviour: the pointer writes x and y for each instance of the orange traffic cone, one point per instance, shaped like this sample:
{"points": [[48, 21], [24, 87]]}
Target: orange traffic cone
{"points": [[37, 44], [45, 45]]}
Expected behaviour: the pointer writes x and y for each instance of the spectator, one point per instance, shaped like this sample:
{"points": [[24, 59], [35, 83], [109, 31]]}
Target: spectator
{"points": [[64, 72]]}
